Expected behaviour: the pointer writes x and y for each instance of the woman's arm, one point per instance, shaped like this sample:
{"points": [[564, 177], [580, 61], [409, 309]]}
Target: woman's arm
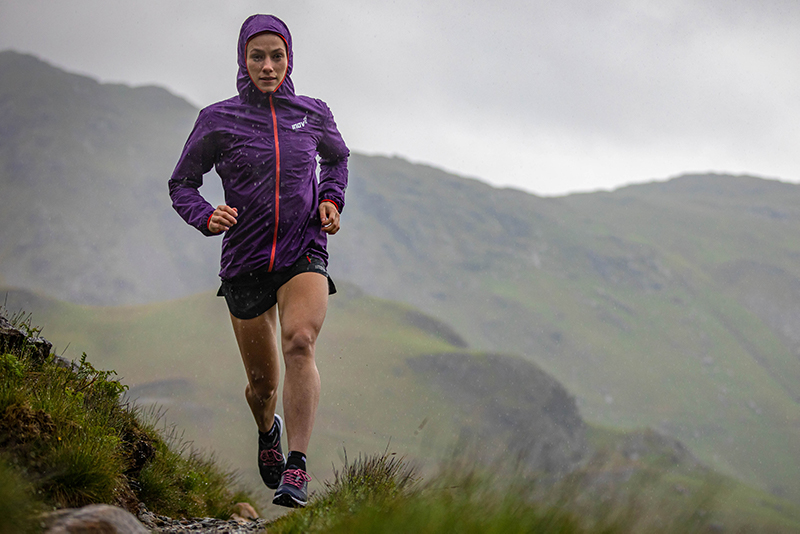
{"points": [[198, 157], [333, 165]]}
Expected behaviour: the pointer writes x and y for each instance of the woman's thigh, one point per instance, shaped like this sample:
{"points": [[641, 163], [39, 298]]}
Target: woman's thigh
{"points": [[302, 305], [258, 345]]}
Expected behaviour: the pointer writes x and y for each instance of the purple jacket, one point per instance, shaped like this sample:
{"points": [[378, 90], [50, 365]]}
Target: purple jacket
{"points": [[264, 147]]}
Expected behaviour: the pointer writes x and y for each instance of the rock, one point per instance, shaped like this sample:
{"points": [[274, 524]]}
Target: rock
{"points": [[10, 338], [38, 349], [94, 519], [246, 511]]}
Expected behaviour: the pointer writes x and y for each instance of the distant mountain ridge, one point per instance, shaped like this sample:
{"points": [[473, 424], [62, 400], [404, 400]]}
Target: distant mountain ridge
{"points": [[86, 165], [674, 305]]}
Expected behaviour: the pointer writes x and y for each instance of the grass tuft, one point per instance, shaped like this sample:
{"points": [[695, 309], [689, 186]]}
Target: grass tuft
{"points": [[382, 494], [366, 483], [385, 475], [82, 471], [182, 482]]}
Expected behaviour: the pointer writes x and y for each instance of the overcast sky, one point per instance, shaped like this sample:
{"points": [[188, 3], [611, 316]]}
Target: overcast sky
{"points": [[549, 97]]}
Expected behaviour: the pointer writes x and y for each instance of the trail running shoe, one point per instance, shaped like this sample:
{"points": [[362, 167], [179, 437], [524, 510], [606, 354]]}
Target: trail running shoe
{"points": [[271, 461], [293, 491]]}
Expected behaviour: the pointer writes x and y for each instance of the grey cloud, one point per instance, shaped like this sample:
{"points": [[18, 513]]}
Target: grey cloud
{"points": [[545, 96]]}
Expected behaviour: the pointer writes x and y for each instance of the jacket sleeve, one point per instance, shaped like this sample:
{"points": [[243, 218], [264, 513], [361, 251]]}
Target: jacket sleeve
{"points": [[333, 155], [198, 157]]}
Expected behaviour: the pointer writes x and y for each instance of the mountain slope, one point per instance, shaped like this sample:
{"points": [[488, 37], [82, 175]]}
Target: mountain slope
{"points": [[655, 305], [375, 361], [85, 166], [672, 305]]}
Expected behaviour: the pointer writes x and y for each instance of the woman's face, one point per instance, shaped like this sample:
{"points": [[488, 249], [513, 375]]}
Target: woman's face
{"points": [[267, 61]]}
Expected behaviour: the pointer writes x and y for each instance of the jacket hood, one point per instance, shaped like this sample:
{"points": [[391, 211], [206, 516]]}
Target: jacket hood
{"points": [[251, 27]]}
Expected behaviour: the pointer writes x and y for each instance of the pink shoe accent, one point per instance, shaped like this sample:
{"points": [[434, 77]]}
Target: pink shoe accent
{"points": [[271, 457], [295, 477]]}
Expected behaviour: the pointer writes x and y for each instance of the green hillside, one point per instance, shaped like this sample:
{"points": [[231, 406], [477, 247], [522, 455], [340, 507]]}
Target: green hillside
{"points": [[378, 365]]}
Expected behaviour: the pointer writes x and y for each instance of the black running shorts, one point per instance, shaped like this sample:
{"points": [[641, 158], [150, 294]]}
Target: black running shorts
{"points": [[250, 294]]}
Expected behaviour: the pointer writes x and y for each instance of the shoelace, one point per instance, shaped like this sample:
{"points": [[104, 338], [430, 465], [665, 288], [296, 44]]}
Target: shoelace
{"points": [[295, 477], [271, 457]]}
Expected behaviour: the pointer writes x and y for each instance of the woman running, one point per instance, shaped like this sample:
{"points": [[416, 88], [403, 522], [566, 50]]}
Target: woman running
{"points": [[264, 144]]}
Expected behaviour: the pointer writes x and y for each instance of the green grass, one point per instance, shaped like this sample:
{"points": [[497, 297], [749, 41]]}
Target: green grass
{"points": [[612, 493], [66, 434], [382, 493], [188, 483]]}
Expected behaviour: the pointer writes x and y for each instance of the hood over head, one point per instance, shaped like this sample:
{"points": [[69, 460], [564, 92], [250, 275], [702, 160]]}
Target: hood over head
{"points": [[252, 26]]}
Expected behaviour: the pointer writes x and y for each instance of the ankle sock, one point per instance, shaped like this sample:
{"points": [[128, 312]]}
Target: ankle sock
{"points": [[296, 460], [270, 437]]}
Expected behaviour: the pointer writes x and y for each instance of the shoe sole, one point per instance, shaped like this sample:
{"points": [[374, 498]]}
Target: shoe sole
{"points": [[273, 486], [288, 501]]}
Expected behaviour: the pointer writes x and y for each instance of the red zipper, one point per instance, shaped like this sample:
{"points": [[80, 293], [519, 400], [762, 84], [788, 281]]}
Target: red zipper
{"points": [[277, 183]]}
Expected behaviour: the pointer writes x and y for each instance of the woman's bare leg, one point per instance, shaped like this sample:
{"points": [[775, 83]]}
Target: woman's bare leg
{"points": [[257, 340], [302, 305]]}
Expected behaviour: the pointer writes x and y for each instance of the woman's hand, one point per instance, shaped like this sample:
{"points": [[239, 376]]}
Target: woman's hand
{"points": [[329, 215], [222, 219]]}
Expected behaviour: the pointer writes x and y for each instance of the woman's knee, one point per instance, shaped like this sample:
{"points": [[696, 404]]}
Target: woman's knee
{"points": [[299, 342], [261, 388]]}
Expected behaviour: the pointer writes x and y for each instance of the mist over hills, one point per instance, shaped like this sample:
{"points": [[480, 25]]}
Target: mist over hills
{"points": [[673, 305], [82, 177]]}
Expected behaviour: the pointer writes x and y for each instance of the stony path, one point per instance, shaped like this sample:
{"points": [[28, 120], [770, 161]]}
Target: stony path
{"points": [[159, 524]]}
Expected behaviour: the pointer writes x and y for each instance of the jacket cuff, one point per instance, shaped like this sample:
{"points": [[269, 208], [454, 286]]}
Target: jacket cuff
{"points": [[332, 202], [205, 230]]}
